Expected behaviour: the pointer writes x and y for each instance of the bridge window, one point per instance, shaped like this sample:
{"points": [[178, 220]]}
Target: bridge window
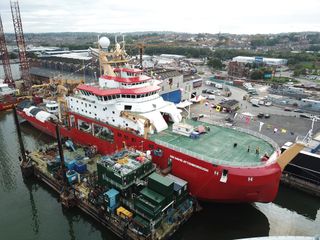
{"points": [[127, 107]]}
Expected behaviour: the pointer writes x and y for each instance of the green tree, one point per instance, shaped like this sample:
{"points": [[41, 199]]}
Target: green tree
{"points": [[215, 63], [255, 75]]}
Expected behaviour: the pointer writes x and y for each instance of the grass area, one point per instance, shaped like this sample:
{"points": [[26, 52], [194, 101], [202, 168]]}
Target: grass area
{"points": [[282, 80]]}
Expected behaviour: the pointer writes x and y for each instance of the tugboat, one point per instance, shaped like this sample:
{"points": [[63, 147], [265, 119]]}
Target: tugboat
{"points": [[124, 109]]}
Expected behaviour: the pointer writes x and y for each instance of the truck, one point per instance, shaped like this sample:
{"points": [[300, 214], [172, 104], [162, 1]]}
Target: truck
{"points": [[219, 86], [255, 102]]}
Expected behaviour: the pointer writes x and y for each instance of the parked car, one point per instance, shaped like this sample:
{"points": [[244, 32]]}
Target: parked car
{"points": [[260, 115], [267, 104], [298, 110], [267, 115], [305, 116], [205, 90], [211, 97], [287, 109], [210, 91]]}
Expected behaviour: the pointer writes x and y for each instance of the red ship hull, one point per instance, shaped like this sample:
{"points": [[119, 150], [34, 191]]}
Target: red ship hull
{"points": [[244, 184]]}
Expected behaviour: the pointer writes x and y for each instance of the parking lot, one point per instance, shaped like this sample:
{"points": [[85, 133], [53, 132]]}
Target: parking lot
{"points": [[288, 124]]}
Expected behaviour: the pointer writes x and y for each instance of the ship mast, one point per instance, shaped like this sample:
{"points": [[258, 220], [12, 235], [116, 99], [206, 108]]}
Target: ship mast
{"points": [[106, 58]]}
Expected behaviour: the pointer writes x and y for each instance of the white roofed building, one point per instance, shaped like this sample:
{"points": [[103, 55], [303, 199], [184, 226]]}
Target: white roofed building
{"points": [[267, 61]]}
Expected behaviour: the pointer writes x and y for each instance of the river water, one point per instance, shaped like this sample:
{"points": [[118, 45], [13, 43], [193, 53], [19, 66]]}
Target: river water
{"points": [[30, 210]]}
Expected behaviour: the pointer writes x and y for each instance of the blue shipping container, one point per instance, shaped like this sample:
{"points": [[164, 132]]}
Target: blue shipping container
{"points": [[70, 164], [80, 167], [72, 176]]}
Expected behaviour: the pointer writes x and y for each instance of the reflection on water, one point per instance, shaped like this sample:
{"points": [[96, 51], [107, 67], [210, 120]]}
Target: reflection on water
{"points": [[297, 201], [34, 211], [14, 69], [7, 170], [225, 221], [292, 213], [285, 222], [32, 207]]}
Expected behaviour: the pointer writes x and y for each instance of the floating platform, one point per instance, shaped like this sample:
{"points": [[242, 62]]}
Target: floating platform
{"points": [[300, 184], [122, 191]]}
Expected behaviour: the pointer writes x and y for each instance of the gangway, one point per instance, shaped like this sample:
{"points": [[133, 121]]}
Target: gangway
{"points": [[288, 155]]}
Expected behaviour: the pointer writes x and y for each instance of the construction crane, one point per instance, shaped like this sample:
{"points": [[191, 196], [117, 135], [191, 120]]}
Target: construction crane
{"points": [[141, 47], [5, 57], [17, 24]]}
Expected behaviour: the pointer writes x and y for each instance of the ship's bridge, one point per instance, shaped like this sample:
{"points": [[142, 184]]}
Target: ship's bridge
{"points": [[104, 95], [122, 80]]}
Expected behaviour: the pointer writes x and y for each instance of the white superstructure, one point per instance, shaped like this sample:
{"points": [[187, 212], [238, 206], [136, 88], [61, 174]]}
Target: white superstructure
{"points": [[125, 98]]}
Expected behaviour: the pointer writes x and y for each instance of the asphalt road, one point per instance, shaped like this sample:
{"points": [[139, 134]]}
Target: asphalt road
{"points": [[289, 125]]}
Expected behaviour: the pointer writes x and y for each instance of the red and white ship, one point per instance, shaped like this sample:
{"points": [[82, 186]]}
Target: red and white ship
{"points": [[125, 110]]}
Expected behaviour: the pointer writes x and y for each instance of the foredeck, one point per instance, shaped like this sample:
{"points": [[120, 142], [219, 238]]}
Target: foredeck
{"points": [[218, 145]]}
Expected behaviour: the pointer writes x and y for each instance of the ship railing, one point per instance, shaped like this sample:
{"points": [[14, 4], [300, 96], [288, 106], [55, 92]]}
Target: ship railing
{"points": [[251, 132], [206, 158], [259, 135]]}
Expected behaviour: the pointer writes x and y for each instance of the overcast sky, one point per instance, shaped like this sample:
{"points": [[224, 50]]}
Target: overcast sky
{"points": [[228, 16]]}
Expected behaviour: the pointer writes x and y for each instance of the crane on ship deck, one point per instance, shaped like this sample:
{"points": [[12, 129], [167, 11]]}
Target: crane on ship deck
{"points": [[134, 117]]}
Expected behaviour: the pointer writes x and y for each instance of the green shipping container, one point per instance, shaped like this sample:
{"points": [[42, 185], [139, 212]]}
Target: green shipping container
{"points": [[160, 184], [152, 196]]}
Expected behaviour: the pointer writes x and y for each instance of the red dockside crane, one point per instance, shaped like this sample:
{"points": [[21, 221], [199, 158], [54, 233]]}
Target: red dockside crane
{"points": [[17, 24], [5, 57]]}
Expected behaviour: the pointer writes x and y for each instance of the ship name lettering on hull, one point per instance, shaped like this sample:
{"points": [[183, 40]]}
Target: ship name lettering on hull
{"points": [[189, 163]]}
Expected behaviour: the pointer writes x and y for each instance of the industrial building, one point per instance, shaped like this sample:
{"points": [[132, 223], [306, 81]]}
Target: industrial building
{"points": [[263, 60], [176, 86]]}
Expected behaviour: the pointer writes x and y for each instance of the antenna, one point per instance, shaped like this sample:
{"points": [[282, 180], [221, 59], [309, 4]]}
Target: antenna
{"points": [[309, 135]]}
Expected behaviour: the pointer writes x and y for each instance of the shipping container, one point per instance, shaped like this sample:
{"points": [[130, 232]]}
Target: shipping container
{"points": [[160, 184]]}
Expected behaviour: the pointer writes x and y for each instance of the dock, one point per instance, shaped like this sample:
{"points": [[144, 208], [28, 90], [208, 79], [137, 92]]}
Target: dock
{"points": [[300, 184]]}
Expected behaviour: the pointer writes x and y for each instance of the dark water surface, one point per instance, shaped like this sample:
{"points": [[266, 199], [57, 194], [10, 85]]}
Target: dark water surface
{"points": [[30, 210]]}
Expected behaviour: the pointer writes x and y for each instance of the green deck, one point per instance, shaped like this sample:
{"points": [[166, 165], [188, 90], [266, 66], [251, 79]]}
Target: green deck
{"points": [[217, 145]]}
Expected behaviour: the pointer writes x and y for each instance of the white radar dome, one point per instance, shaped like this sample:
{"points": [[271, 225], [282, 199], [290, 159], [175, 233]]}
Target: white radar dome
{"points": [[104, 42]]}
